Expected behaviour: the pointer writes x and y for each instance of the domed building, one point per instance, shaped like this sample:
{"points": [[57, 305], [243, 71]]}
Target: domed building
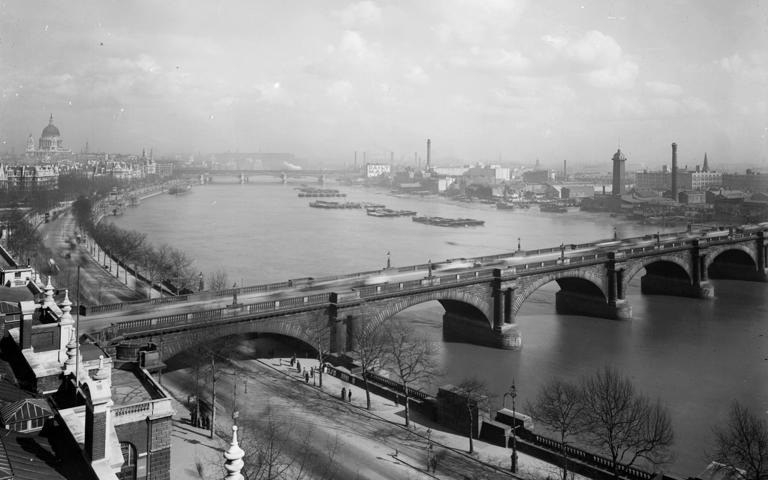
{"points": [[50, 142]]}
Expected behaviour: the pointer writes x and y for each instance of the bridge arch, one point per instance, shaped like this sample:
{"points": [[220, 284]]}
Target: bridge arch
{"points": [[672, 263], [460, 301], [584, 281], [302, 327], [739, 254]]}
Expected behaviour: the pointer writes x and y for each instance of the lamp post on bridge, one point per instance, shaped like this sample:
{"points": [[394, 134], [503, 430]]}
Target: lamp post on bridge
{"points": [[512, 393]]}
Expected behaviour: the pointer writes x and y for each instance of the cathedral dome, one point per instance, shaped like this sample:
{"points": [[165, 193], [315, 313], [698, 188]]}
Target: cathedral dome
{"points": [[50, 130]]}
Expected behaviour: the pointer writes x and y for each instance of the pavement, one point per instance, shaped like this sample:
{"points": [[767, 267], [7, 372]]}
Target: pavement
{"points": [[96, 285], [368, 444]]}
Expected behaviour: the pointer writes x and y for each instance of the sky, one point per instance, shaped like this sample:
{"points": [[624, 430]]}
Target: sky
{"points": [[487, 81]]}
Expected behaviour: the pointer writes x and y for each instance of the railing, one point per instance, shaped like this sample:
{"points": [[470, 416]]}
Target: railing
{"points": [[590, 458], [621, 252], [151, 408], [375, 379], [369, 291]]}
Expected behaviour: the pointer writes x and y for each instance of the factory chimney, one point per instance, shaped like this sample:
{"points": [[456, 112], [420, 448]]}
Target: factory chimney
{"points": [[565, 172], [674, 171], [429, 157]]}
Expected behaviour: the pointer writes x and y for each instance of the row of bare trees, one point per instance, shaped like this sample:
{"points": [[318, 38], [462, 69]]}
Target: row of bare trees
{"points": [[156, 264], [607, 412], [23, 239]]}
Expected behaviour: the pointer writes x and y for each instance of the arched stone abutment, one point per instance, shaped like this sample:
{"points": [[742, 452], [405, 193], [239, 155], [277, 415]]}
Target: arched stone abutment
{"points": [[675, 274], [306, 327], [734, 262], [588, 291], [469, 311]]}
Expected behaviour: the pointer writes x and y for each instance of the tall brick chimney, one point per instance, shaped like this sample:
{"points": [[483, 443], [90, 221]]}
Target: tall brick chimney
{"points": [[429, 153], [674, 171]]}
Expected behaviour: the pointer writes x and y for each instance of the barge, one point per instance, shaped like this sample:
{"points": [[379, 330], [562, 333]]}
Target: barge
{"points": [[334, 205], [449, 222]]}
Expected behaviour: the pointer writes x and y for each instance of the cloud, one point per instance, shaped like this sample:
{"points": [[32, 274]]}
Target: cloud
{"points": [[596, 56], [473, 22], [664, 89], [354, 44], [595, 49], [636, 107], [491, 59], [359, 14], [340, 91], [620, 76], [417, 75], [751, 66]]}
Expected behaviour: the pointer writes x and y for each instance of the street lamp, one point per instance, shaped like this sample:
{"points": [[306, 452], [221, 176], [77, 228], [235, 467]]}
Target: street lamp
{"points": [[512, 393]]}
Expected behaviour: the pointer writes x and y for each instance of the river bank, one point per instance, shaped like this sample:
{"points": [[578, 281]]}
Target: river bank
{"points": [[680, 350]]}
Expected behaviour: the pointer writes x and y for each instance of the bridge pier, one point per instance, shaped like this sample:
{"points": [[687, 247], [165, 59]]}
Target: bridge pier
{"points": [[735, 271], [573, 303], [458, 328], [678, 287]]}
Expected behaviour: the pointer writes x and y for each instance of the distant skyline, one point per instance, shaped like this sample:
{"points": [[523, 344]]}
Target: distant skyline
{"points": [[486, 79]]}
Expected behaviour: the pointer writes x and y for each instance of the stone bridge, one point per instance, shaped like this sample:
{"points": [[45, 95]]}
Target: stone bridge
{"points": [[481, 302]]}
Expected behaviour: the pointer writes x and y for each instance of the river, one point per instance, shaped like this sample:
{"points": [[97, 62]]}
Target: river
{"points": [[696, 355]]}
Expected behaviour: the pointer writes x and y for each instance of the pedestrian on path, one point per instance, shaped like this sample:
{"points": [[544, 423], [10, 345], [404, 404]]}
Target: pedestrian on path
{"points": [[298, 366], [349, 395], [306, 376], [343, 393]]}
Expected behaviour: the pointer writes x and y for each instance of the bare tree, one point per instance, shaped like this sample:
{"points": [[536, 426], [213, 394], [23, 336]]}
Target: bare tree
{"points": [[559, 407], [217, 280], [320, 338], [23, 238], [155, 262], [180, 269], [623, 423], [128, 247], [409, 357], [277, 448], [368, 344], [475, 392], [742, 444]]}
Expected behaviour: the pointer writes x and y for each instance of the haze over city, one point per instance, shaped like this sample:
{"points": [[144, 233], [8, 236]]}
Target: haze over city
{"points": [[507, 80]]}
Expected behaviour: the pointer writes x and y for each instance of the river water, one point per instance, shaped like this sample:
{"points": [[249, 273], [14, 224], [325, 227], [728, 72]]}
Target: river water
{"points": [[696, 355]]}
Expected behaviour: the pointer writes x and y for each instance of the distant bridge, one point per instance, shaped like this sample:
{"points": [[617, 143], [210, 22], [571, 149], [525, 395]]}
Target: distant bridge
{"points": [[481, 296], [243, 175]]}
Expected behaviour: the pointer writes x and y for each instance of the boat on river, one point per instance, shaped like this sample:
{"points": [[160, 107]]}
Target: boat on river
{"points": [[388, 212], [320, 192], [552, 208], [449, 222], [179, 189], [334, 205]]}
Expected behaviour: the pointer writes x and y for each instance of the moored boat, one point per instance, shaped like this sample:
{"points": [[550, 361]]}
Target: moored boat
{"points": [[449, 222]]}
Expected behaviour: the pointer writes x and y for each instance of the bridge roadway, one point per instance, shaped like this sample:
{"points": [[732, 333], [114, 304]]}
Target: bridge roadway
{"points": [[477, 293], [277, 173]]}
